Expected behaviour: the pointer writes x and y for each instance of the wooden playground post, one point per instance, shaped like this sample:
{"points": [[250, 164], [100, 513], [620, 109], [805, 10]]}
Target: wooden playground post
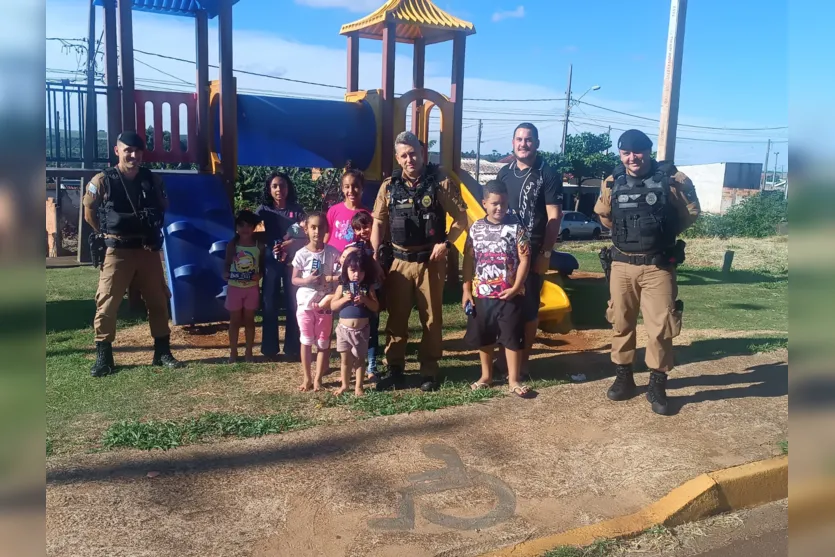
{"points": [[389, 42], [353, 62], [126, 59], [201, 28], [418, 79]]}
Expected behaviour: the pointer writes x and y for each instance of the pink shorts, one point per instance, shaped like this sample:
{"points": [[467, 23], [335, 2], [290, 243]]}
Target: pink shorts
{"points": [[315, 327], [238, 298]]}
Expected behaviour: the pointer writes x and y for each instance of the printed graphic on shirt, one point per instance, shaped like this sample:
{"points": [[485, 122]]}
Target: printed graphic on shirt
{"points": [[244, 266], [343, 230], [496, 254]]}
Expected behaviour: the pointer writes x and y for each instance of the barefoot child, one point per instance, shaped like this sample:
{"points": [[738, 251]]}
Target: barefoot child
{"points": [[244, 261], [356, 303], [496, 262], [361, 224], [313, 268]]}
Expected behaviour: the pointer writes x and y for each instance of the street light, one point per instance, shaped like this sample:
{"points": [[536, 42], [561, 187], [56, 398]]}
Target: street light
{"points": [[569, 102], [592, 88]]}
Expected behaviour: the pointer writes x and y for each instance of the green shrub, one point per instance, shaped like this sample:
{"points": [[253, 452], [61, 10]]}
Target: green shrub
{"points": [[312, 193], [755, 217]]}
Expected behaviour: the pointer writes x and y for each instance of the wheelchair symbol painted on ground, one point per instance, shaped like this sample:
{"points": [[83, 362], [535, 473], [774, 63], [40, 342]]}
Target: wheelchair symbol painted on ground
{"points": [[454, 476]]}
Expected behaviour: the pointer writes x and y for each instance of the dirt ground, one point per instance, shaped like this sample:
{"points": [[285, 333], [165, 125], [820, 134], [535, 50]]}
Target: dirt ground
{"points": [[456, 482]]}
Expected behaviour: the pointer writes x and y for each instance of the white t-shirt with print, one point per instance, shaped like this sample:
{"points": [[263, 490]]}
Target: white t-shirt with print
{"points": [[328, 262]]}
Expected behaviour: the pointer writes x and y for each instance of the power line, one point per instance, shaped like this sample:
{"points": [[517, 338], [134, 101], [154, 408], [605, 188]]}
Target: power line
{"points": [[682, 125], [706, 140], [67, 42]]}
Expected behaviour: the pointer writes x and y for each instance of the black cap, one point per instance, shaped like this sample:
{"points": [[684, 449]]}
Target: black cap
{"points": [[635, 141], [131, 139]]}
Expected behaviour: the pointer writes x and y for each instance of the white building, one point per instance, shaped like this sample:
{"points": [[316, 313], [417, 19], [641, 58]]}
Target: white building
{"points": [[722, 185]]}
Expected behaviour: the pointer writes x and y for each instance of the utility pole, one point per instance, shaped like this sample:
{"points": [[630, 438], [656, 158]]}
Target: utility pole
{"points": [[567, 109], [765, 166], [90, 105], [672, 82], [774, 174], [478, 153], [609, 137]]}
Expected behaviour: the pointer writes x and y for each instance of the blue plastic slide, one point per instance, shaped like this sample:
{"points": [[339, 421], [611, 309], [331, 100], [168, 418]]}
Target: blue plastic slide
{"points": [[198, 225]]}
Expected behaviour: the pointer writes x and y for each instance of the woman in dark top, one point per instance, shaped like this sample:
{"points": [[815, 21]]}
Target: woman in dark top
{"points": [[279, 211]]}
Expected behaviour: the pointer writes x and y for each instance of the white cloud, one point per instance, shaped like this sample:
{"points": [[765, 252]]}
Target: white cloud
{"points": [[359, 6], [269, 53], [518, 13]]}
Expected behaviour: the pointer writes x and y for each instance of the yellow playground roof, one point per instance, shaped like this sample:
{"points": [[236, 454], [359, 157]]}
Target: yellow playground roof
{"points": [[415, 19]]}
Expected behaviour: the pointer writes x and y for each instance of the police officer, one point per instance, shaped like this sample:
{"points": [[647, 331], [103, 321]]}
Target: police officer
{"points": [[124, 205], [410, 213], [646, 204]]}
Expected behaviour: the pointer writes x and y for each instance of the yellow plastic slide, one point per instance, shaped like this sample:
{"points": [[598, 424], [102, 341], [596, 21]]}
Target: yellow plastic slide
{"points": [[553, 302]]}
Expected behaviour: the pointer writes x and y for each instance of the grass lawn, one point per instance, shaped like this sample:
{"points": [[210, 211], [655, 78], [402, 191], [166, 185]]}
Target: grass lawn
{"points": [[146, 407]]}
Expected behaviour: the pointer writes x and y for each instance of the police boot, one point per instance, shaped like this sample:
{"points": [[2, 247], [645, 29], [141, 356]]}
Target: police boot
{"points": [[162, 353], [104, 360], [657, 392], [393, 379], [624, 386]]}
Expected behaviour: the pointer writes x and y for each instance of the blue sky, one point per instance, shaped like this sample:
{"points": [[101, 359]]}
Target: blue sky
{"points": [[734, 71]]}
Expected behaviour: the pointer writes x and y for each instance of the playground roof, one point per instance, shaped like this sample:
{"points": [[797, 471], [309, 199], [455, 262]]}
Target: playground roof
{"points": [[415, 19], [186, 8]]}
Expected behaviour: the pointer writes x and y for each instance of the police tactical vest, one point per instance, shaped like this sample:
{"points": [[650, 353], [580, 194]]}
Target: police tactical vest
{"points": [[116, 212], [416, 216], [643, 218]]}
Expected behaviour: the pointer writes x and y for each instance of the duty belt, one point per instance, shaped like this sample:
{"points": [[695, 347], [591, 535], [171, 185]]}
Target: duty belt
{"points": [[123, 242], [658, 259], [412, 256]]}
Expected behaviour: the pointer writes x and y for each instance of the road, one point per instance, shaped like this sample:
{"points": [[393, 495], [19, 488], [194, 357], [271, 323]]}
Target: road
{"points": [[774, 543]]}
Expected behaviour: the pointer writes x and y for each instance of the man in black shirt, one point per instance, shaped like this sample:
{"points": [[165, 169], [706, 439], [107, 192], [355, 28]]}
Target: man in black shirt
{"points": [[535, 197]]}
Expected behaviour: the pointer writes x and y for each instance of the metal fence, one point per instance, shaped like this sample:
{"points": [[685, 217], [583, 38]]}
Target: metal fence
{"points": [[65, 134]]}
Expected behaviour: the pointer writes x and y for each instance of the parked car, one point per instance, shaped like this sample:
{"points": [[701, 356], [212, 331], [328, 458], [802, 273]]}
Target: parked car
{"points": [[576, 225]]}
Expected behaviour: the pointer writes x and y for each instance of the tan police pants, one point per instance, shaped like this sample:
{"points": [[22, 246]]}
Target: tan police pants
{"points": [[653, 290], [421, 284], [120, 267]]}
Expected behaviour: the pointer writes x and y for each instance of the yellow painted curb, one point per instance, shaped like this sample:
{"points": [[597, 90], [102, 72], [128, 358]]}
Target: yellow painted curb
{"points": [[708, 494]]}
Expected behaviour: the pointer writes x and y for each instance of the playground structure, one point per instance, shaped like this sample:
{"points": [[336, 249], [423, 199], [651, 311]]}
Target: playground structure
{"points": [[225, 129]]}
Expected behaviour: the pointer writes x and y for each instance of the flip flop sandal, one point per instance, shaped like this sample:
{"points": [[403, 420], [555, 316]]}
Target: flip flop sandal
{"points": [[478, 385], [522, 391]]}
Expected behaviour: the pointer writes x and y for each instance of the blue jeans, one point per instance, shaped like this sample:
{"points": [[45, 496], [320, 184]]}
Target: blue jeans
{"points": [[277, 292], [373, 340]]}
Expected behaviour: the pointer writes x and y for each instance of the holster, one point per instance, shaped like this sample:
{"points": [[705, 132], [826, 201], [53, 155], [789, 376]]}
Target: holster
{"points": [[385, 256], [606, 261], [97, 249]]}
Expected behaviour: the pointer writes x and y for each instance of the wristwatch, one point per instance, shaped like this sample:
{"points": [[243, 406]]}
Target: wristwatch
{"points": [[447, 245]]}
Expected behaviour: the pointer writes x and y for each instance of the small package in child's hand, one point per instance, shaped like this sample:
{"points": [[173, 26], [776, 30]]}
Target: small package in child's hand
{"points": [[296, 232]]}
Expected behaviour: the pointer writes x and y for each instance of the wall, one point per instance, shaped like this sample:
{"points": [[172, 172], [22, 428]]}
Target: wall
{"points": [[709, 180], [743, 175]]}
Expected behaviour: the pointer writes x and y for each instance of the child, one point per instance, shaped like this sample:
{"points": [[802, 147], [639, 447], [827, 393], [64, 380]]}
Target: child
{"points": [[496, 263], [341, 214], [313, 268], [279, 211], [361, 225], [356, 303], [244, 261]]}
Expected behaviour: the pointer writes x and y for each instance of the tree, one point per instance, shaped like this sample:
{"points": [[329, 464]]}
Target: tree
{"points": [[586, 156]]}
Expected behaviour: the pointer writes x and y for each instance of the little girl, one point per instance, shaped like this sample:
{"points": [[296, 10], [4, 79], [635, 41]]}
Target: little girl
{"points": [[362, 223], [313, 274], [244, 261], [356, 304], [340, 215]]}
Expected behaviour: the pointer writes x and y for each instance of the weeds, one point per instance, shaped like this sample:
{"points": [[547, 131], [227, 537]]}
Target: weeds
{"points": [[166, 435]]}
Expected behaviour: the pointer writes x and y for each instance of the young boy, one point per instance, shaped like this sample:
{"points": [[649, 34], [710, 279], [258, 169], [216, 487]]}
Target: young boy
{"points": [[496, 262], [361, 224]]}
